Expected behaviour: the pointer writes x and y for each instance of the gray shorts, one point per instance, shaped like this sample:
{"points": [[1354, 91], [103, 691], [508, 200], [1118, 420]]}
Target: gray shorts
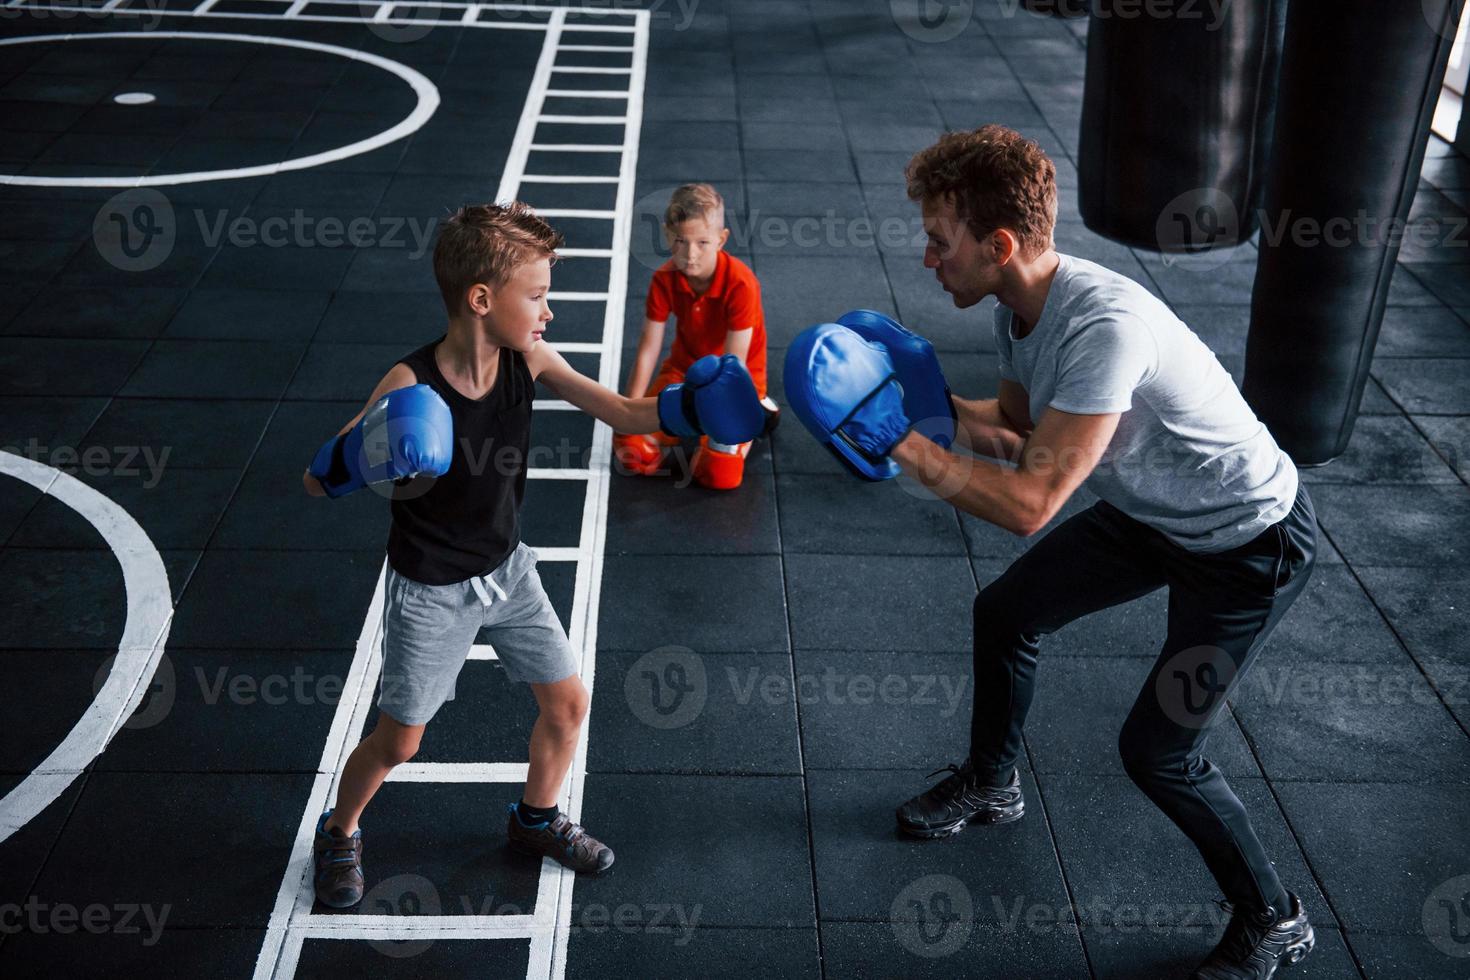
{"points": [[428, 631]]}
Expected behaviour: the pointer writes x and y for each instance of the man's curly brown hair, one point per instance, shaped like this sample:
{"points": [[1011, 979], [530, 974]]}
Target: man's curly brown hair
{"points": [[486, 243], [996, 177]]}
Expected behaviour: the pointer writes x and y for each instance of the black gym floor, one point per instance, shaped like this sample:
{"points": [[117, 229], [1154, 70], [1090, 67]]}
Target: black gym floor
{"points": [[820, 626]]}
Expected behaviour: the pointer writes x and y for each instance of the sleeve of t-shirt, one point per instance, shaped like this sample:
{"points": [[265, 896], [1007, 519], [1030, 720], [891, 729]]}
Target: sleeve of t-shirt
{"points": [[743, 306], [1101, 365], [1002, 328], [660, 302]]}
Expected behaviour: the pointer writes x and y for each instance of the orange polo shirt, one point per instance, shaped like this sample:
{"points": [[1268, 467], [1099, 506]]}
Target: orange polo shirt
{"points": [[732, 302]]}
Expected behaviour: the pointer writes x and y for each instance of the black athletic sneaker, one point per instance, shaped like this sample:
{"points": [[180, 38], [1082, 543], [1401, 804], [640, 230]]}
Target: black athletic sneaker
{"points": [[562, 841], [1256, 943], [959, 800], [338, 861]]}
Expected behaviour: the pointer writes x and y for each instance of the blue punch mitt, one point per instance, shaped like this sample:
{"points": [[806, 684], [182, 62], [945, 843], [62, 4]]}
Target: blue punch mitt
{"points": [[845, 391], [926, 397]]}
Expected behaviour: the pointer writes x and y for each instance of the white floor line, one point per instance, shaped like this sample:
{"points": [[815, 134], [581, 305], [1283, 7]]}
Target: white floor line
{"points": [[558, 473], [624, 48], [579, 347], [425, 92], [147, 10], [585, 253], [282, 946], [146, 624], [605, 28], [578, 147], [388, 927], [584, 93], [584, 120], [562, 554], [515, 162], [594, 520], [573, 297], [566, 179], [580, 70], [459, 772], [575, 213], [491, 5]]}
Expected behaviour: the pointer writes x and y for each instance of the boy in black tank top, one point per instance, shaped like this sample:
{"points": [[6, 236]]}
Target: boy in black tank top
{"points": [[456, 562]]}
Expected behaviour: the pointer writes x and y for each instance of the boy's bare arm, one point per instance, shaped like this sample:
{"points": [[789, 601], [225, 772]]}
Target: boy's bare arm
{"points": [[737, 342], [628, 415], [650, 343], [399, 376]]}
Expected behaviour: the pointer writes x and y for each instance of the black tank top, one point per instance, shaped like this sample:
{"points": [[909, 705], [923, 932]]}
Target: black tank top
{"points": [[466, 522]]}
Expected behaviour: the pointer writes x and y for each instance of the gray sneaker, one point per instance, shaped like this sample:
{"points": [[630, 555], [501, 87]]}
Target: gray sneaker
{"points": [[562, 841], [338, 860]]}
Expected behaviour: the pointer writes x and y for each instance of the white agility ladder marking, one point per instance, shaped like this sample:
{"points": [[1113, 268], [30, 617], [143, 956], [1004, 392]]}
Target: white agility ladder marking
{"points": [[548, 926]]}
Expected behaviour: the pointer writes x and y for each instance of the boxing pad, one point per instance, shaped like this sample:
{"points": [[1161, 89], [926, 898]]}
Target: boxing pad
{"points": [[846, 393], [926, 397]]}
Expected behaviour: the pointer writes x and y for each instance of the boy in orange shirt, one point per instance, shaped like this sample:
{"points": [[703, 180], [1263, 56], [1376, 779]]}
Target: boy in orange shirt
{"points": [[717, 302]]}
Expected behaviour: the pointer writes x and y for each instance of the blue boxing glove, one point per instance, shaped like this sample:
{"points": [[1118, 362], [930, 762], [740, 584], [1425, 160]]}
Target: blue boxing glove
{"points": [[926, 395], [846, 393], [408, 432], [717, 398]]}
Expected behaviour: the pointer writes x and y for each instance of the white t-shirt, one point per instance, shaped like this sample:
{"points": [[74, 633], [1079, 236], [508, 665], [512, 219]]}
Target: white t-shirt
{"points": [[1189, 458]]}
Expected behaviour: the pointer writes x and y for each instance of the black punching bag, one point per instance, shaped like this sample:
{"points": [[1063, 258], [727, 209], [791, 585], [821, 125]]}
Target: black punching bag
{"points": [[1359, 83], [1173, 118]]}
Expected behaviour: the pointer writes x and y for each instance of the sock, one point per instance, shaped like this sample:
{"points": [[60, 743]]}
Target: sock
{"points": [[532, 815]]}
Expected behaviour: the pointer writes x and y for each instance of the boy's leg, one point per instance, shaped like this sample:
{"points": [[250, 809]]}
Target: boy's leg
{"points": [[427, 631], [554, 738], [532, 647], [390, 744]]}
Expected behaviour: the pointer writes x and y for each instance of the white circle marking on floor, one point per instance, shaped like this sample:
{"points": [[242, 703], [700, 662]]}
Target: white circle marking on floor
{"points": [[426, 92], [145, 631]]}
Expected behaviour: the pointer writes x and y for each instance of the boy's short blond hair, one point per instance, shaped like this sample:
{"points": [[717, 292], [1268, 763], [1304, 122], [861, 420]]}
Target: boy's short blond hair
{"points": [[487, 243], [695, 201]]}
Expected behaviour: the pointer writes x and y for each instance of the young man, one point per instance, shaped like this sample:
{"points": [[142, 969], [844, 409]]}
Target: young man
{"points": [[449, 425], [1100, 383]]}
